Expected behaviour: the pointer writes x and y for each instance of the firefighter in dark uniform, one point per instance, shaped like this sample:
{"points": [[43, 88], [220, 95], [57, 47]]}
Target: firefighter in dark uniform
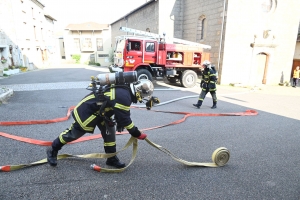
{"points": [[208, 84], [87, 116]]}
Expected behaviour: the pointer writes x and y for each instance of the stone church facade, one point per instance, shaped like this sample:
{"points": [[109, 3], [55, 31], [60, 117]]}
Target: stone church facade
{"points": [[252, 42]]}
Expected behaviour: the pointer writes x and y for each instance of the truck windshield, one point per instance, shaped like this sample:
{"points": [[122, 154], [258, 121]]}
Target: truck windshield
{"points": [[120, 45]]}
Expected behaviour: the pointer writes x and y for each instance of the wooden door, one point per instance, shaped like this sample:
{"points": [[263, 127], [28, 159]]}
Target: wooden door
{"points": [[262, 68]]}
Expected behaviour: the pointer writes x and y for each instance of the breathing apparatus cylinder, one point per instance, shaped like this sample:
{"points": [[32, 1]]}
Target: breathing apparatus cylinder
{"points": [[118, 78]]}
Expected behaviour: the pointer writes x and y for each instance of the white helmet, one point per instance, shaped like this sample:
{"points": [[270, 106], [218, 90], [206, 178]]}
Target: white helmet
{"points": [[143, 88], [206, 63]]}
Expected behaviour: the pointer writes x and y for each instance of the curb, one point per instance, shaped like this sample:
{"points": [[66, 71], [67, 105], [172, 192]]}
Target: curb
{"points": [[4, 96]]}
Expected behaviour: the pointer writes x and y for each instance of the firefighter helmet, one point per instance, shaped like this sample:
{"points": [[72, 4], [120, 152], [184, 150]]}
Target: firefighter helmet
{"points": [[206, 63], [143, 88]]}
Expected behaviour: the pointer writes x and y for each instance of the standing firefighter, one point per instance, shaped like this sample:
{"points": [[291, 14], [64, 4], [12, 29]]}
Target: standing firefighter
{"points": [[97, 109], [208, 84]]}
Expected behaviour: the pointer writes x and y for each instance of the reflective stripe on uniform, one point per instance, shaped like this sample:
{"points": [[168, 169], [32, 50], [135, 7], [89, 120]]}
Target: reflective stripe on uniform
{"points": [[85, 123], [108, 109], [109, 144], [130, 126], [88, 120], [61, 136], [122, 107], [111, 94]]}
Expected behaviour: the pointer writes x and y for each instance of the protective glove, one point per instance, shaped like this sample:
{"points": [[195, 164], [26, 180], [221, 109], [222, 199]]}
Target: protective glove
{"points": [[151, 102], [201, 84], [155, 100], [142, 136]]}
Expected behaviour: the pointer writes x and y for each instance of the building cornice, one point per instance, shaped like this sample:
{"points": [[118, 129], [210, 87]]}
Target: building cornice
{"points": [[263, 45], [49, 17], [39, 4]]}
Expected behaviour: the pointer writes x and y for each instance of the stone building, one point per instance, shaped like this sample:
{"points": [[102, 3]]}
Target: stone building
{"points": [[26, 34], [90, 40], [253, 42]]}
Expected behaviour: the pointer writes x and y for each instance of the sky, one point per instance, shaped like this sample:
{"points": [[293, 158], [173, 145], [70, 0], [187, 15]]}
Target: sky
{"points": [[80, 11]]}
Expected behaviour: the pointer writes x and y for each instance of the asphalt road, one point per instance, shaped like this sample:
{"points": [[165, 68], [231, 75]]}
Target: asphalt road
{"points": [[264, 162]]}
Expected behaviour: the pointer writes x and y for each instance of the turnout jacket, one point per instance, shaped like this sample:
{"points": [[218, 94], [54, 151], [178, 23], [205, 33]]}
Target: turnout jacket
{"points": [[209, 80], [119, 99]]}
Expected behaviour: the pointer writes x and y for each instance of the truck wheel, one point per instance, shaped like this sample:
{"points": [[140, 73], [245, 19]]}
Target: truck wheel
{"points": [[144, 74], [188, 78]]}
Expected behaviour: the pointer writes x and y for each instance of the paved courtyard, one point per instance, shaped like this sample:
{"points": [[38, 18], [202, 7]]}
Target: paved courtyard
{"points": [[264, 162]]}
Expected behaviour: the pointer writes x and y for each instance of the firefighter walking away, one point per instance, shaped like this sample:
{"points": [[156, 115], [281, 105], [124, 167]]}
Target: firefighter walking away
{"points": [[208, 84]]}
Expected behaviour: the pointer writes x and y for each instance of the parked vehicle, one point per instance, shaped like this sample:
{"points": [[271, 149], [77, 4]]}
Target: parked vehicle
{"points": [[154, 56]]}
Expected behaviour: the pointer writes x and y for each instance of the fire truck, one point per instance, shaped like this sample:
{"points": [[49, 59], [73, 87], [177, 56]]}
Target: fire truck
{"points": [[152, 55]]}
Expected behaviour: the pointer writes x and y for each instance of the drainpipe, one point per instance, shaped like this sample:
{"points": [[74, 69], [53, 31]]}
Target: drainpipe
{"points": [[221, 40]]}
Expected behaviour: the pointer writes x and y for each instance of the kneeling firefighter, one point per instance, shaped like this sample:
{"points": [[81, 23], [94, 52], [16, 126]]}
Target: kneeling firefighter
{"points": [[107, 107], [208, 84]]}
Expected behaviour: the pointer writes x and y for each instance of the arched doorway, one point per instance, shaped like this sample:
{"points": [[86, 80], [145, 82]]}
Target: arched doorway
{"points": [[262, 67]]}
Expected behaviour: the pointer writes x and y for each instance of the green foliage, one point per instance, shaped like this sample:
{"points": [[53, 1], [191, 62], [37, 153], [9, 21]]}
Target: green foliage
{"points": [[91, 63], [111, 56], [76, 57], [98, 64], [5, 69]]}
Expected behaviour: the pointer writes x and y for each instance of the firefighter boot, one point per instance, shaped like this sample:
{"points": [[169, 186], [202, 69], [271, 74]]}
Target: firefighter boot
{"points": [[52, 156], [214, 105], [113, 161], [198, 104]]}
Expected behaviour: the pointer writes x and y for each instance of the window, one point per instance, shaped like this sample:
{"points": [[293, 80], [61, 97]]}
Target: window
{"points": [[103, 55], [87, 43], [150, 47], [200, 28], [135, 46], [99, 42], [76, 44]]}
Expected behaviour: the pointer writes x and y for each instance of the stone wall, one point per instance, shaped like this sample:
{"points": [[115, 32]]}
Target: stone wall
{"points": [[213, 12], [142, 19]]}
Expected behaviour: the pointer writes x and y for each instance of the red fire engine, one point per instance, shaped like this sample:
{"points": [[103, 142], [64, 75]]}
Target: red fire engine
{"points": [[153, 56]]}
